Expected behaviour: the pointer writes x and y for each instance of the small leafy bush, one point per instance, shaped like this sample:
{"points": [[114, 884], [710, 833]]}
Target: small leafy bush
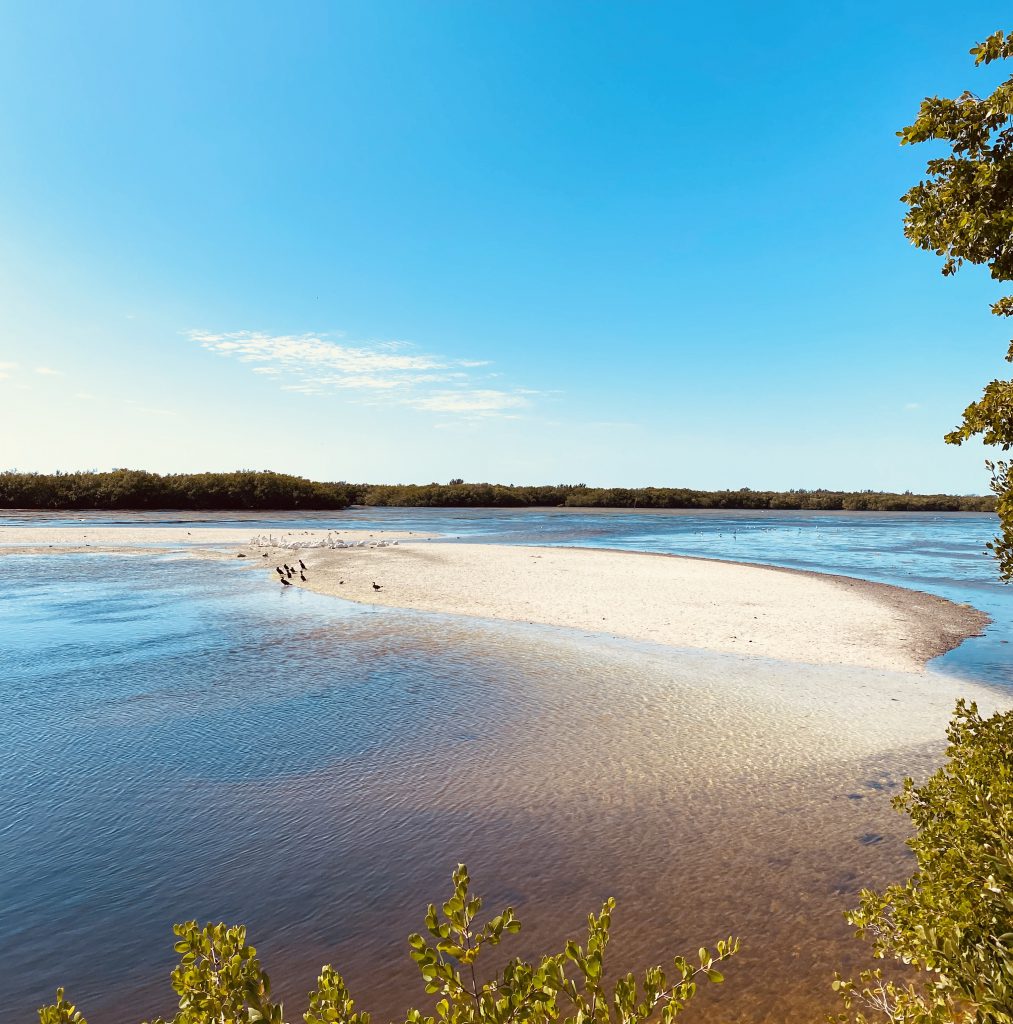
{"points": [[219, 979], [953, 919]]}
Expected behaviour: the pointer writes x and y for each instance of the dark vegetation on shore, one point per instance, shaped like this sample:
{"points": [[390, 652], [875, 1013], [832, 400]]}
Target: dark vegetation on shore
{"points": [[247, 490], [135, 489], [582, 496]]}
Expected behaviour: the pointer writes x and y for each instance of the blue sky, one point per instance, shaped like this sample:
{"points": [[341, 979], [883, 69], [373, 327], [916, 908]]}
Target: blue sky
{"points": [[628, 243]]}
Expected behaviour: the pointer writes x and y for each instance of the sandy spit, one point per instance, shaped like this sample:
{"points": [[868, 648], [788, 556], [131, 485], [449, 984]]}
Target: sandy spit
{"points": [[680, 602], [688, 603]]}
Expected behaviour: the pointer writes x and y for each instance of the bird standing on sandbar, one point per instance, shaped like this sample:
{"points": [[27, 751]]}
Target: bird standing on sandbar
{"points": [[302, 577], [376, 586], [277, 569], [285, 582], [302, 565]]}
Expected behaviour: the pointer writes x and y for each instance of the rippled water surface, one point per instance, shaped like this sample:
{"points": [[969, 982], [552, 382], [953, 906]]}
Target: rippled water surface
{"points": [[180, 739]]}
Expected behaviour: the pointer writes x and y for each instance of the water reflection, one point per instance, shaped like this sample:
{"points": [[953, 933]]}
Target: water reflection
{"points": [[181, 740]]}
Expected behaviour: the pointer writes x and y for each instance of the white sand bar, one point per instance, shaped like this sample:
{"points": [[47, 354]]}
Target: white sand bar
{"points": [[680, 602]]}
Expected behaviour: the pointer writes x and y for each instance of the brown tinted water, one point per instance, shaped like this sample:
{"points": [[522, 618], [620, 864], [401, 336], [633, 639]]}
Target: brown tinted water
{"points": [[315, 771]]}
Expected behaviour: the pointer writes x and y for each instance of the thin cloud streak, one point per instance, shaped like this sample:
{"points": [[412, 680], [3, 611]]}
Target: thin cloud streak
{"points": [[391, 372], [471, 401]]}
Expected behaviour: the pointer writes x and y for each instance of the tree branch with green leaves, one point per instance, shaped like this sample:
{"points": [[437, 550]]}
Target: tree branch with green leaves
{"points": [[963, 212], [219, 979]]}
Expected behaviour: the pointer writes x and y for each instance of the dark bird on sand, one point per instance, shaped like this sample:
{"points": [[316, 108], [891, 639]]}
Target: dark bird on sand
{"points": [[341, 583], [278, 571], [240, 555], [302, 565], [264, 555], [285, 582], [302, 577], [376, 586]]}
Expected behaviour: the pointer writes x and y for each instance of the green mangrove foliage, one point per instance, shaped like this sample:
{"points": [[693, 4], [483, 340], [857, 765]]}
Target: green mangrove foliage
{"points": [[458, 494], [219, 979], [963, 211], [135, 489], [953, 919]]}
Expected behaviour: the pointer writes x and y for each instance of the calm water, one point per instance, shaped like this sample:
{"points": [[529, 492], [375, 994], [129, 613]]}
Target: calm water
{"points": [[942, 554], [181, 740]]}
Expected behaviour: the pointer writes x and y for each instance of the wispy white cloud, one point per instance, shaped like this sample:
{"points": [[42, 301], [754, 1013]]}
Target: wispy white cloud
{"points": [[390, 372], [47, 371], [911, 406], [471, 401], [306, 350]]}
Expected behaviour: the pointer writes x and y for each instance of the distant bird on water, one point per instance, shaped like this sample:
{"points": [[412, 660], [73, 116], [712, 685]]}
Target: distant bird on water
{"points": [[285, 582], [376, 586]]}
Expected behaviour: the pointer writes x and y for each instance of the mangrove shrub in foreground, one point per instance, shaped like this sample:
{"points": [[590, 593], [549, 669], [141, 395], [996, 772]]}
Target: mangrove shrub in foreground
{"points": [[953, 919], [219, 979]]}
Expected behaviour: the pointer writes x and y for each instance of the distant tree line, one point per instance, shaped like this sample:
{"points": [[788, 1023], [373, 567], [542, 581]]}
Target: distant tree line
{"points": [[135, 489], [456, 494], [248, 490]]}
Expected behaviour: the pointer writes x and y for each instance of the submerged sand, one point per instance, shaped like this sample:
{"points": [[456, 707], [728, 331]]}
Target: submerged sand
{"points": [[687, 603], [738, 791]]}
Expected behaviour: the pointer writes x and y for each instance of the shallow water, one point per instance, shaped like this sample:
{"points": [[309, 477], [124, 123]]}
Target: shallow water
{"points": [[182, 740], [940, 553]]}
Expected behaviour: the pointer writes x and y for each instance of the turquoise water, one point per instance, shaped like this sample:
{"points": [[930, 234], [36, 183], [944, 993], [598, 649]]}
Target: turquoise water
{"points": [[181, 740]]}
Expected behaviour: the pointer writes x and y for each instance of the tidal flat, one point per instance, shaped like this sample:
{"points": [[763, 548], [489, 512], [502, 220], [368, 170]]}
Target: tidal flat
{"points": [[184, 738]]}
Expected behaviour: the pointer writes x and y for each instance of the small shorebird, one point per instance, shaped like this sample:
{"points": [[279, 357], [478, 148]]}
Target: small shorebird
{"points": [[279, 572], [302, 577], [302, 565], [376, 586], [285, 582]]}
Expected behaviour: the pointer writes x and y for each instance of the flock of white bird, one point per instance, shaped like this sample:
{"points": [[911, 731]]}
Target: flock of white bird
{"points": [[332, 541]]}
